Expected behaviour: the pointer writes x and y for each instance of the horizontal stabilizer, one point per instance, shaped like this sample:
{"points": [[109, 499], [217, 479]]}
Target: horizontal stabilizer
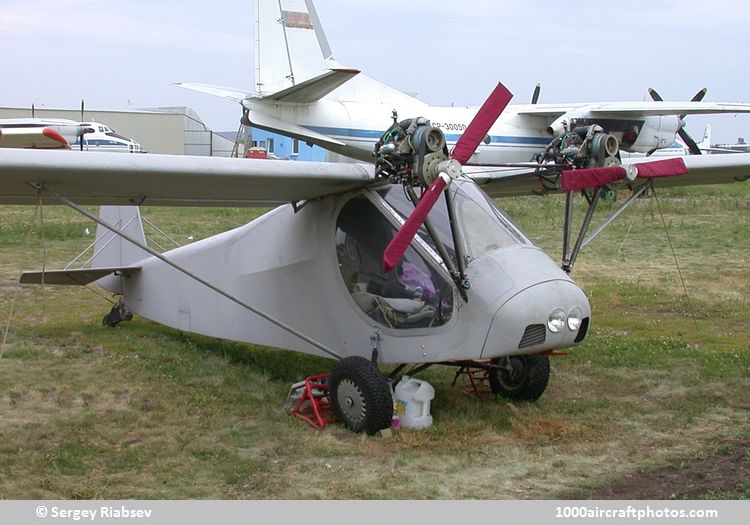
{"points": [[269, 123], [217, 91], [314, 89], [78, 277]]}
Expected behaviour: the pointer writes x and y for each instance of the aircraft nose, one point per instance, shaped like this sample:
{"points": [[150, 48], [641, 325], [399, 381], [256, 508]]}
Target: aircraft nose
{"points": [[549, 315]]}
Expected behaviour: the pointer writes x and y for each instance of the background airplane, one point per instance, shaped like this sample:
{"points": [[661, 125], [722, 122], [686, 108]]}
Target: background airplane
{"points": [[302, 92], [40, 133]]}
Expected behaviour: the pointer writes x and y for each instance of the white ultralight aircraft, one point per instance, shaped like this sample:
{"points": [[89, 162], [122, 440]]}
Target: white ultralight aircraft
{"points": [[301, 91], [405, 262]]}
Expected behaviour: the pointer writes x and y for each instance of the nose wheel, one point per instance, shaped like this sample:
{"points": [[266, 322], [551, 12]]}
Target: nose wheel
{"points": [[360, 395], [520, 377]]}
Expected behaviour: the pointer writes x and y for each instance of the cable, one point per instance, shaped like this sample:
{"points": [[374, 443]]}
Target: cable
{"points": [[18, 285], [676, 262]]}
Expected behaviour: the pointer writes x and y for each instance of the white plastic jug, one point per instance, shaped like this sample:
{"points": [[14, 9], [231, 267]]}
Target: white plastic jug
{"points": [[413, 397]]}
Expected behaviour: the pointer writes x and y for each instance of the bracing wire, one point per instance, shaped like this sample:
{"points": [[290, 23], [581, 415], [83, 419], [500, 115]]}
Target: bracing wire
{"points": [[676, 262], [17, 288]]}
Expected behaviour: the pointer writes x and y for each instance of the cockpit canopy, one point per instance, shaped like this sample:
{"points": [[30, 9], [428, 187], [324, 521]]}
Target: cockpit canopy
{"points": [[418, 292]]}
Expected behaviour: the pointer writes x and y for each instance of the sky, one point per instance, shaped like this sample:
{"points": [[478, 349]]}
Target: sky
{"points": [[120, 55]]}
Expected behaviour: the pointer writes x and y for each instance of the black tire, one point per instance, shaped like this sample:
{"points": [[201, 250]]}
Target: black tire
{"points": [[526, 382], [360, 395]]}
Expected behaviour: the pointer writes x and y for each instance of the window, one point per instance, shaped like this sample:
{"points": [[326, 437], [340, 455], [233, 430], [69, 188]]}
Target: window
{"points": [[483, 226], [295, 147], [270, 145], [412, 295]]}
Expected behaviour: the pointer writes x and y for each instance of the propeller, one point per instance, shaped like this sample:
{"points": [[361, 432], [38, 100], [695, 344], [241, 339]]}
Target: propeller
{"points": [[448, 170], [82, 119], [686, 138], [537, 92]]}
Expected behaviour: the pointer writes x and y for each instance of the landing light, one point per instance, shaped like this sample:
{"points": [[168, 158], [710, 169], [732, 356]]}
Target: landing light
{"points": [[574, 319], [556, 321]]}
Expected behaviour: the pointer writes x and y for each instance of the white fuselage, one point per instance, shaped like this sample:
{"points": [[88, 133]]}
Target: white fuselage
{"points": [[515, 137]]}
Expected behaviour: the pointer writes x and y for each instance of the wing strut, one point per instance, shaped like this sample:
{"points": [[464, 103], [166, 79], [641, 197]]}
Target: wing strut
{"points": [[592, 196], [41, 188]]}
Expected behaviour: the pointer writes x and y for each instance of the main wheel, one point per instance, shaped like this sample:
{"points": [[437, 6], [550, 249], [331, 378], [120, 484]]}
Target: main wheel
{"points": [[523, 378], [361, 396]]}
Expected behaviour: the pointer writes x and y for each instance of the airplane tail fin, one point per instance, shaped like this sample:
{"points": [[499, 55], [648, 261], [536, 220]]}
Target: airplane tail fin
{"points": [[111, 250], [294, 62], [290, 45], [705, 143]]}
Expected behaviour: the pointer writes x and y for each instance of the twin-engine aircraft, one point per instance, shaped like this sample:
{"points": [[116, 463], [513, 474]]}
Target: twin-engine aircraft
{"points": [[407, 262], [301, 91]]}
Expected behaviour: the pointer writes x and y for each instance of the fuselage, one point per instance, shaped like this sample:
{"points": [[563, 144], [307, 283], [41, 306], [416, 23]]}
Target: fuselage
{"points": [[320, 271], [516, 136]]}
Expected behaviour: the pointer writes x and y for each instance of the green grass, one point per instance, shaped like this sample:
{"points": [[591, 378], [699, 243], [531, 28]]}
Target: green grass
{"points": [[144, 411]]}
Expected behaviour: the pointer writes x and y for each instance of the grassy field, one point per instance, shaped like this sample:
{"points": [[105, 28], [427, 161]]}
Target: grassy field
{"points": [[143, 411]]}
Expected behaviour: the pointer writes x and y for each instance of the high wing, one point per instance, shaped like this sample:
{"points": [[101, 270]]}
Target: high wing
{"points": [[32, 137], [173, 180], [170, 180], [702, 169], [635, 109]]}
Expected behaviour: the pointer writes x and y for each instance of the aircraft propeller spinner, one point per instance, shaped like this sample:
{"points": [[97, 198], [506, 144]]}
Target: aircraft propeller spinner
{"points": [[436, 173]]}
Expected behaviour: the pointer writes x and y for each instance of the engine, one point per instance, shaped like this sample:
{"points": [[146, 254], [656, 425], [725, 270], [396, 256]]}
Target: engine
{"points": [[643, 135], [411, 152], [655, 133], [583, 147]]}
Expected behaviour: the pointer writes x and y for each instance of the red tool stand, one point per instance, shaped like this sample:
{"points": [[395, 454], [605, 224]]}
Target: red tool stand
{"points": [[478, 381], [314, 405]]}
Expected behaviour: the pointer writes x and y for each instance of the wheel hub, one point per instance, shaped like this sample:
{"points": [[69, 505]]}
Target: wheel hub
{"points": [[353, 406]]}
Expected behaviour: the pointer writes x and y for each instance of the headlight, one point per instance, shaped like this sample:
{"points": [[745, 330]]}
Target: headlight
{"points": [[556, 321], [574, 319]]}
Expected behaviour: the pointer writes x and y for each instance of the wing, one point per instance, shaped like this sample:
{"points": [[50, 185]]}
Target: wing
{"points": [[171, 180], [635, 109], [702, 169], [32, 137]]}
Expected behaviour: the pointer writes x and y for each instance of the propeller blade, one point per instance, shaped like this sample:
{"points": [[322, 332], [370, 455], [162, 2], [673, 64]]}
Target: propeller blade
{"points": [[699, 95], [481, 124], [82, 106], [654, 95], [686, 138], [400, 242], [689, 142], [537, 92], [573, 180]]}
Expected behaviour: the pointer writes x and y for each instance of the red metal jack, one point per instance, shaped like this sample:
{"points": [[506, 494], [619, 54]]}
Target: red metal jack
{"points": [[314, 405], [478, 381]]}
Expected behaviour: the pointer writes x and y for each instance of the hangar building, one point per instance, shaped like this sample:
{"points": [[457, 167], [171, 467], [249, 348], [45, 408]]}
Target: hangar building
{"points": [[176, 131]]}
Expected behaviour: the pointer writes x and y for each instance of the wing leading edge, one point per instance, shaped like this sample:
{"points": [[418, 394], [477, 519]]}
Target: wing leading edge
{"points": [[171, 180]]}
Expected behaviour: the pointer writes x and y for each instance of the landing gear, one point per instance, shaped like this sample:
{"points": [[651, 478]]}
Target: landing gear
{"points": [[521, 378], [361, 397], [118, 314]]}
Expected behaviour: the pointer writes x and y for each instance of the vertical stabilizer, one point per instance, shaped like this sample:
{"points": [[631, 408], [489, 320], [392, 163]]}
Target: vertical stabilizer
{"points": [[705, 143], [111, 250], [290, 45]]}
